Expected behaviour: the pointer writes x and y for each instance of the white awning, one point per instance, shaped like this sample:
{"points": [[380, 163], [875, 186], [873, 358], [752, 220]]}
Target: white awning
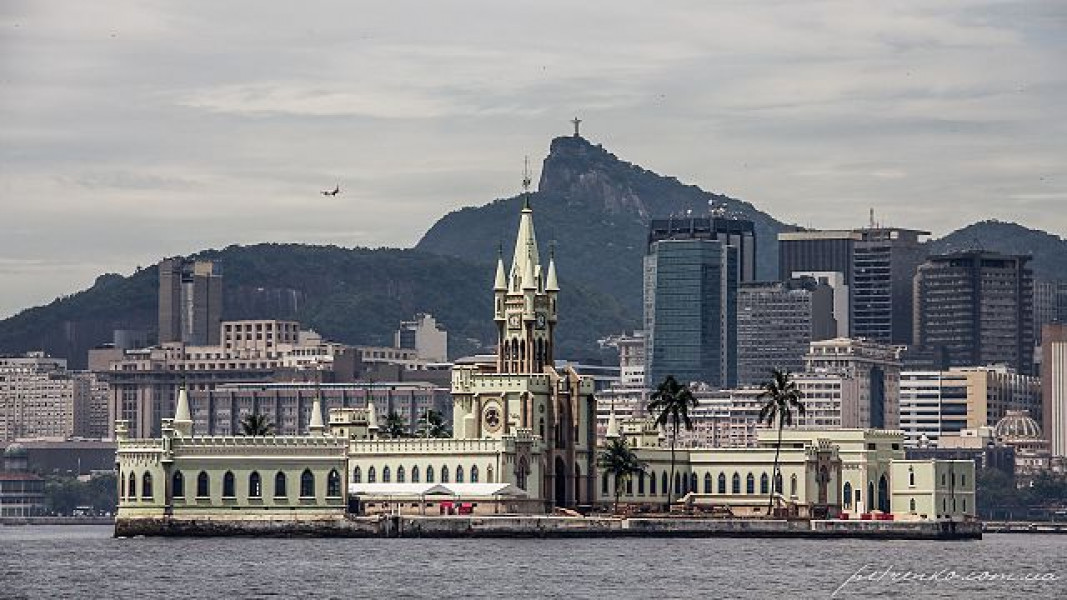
{"points": [[419, 490]]}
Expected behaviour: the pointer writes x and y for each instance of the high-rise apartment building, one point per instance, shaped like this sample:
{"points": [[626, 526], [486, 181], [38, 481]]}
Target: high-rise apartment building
{"points": [[1050, 304], [776, 323], [975, 308], [190, 301], [736, 233], [877, 264], [40, 398], [1054, 387], [873, 367], [423, 335], [690, 306]]}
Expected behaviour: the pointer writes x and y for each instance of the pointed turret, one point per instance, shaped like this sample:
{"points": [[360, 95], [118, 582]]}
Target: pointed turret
{"points": [[315, 425], [501, 283], [372, 418], [183, 420], [613, 426], [526, 259], [551, 284]]}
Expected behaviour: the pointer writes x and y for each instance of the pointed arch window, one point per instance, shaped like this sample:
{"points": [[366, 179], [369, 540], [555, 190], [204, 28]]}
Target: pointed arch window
{"points": [[604, 483], [203, 485], [400, 475], [131, 491], [735, 484], [641, 483], [415, 474], [146, 487], [228, 486], [846, 495], [372, 476], [357, 475], [652, 483], [387, 475], [333, 484], [474, 473], [707, 483], [255, 485], [444, 474], [722, 483], [307, 484], [429, 474], [177, 484], [459, 474], [489, 474], [764, 484], [750, 484], [793, 485], [663, 483], [693, 483], [279, 485]]}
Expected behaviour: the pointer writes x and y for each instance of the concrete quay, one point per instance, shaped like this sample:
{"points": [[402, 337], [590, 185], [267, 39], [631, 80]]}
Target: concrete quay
{"points": [[535, 526]]}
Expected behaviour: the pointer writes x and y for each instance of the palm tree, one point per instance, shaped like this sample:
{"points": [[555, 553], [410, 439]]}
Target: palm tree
{"points": [[255, 424], [782, 396], [395, 425], [432, 425], [619, 459], [670, 404]]}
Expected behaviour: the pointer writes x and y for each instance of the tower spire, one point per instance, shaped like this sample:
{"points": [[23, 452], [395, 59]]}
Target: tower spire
{"points": [[183, 420], [525, 261]]}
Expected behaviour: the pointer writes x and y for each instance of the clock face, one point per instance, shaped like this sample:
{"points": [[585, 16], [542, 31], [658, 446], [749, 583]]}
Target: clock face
{"points": [[540, 320], [513, 321], [492, 418]]}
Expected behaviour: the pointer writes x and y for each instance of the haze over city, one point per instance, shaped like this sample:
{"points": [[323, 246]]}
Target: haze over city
{"points": [[138, 130]]}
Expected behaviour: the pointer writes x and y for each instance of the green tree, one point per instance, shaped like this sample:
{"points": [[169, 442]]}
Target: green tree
{"points": [[395, 425], [783, 396], [670, 404], [432, 425], [255, 424], [618, 459]]}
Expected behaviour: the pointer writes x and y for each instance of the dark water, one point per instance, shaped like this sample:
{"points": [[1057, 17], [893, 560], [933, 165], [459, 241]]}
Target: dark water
{"points": [[85, 562]]}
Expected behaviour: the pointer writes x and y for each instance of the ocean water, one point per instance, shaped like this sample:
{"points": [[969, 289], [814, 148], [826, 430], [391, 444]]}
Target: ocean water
{"points": [[86, 562]]}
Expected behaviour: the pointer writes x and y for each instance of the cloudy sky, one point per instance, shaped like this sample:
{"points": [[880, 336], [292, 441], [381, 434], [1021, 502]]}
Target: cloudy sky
{"points": [[134, 130]]}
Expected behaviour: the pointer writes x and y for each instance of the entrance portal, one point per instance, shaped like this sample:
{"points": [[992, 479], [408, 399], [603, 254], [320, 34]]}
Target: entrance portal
{"points": [[561, 477]]}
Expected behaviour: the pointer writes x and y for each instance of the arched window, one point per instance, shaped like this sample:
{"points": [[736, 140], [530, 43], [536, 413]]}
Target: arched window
{"points": [[474, 473], [203, 485], [846, 495], [750, 484], [641, 483], [255, 485], [146, 486], [541, 427], [652, 483], [372, 476], [604, 483], [228, 487], [333, 484], [722, 483], [735, 484], [429, 474], [870, 496], [663, 483], [489, 474], [444, 474], [177, 484], [357, 475], [459, 474], [400, 474], [131, 491], [279, 485], [387, 475], [693, 482], [677, 484], [707, 483], [764, 484], [629, 486], [307, 484], [793, 485], [415, 474], [778, 483], [522, 473], [911, 505], [911, 476]]}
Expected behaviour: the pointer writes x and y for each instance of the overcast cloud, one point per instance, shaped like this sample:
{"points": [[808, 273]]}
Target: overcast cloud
{"points": [[134, 130]]}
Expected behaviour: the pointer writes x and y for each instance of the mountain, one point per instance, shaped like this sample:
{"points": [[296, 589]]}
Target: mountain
{"points": [[1049, 251], [356, 296], [597, 208]]}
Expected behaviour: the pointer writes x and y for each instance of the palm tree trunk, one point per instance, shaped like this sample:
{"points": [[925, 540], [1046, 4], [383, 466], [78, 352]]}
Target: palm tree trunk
{"points": [[670, 484], [774, 471]]}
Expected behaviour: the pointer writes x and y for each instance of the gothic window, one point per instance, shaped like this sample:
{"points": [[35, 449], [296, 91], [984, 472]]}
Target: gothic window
{"points": [[846, 495], [372, 477], [228, 486], [146, 487], [750, 484], [541, 427], [255, 485], [663, 483], [652, 483], [357, 475], [677, 484], [764, 484], [735, 484], [333, 484], [604, 483], [415, 474], [629, 486], [793, 485], [203, 485], [693, 482], [641, 483], [429, 474], [474, 474], [522, 473], [707, 483], [131, 491], [444, 474], [911, 505], [778, 483], [400, 474], [459, 474], [307, 484], [387, 475], [489, 474], [178, 484]]}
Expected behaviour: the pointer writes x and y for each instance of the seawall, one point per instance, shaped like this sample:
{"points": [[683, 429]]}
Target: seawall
{"points": [[530, 526]]}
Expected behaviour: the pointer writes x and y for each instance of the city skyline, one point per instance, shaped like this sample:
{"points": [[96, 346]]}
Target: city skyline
{"points": [[936, 117]]}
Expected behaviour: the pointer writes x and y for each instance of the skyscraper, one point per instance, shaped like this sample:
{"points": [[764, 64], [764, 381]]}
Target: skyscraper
{"points": [[691, 311], [975, 308], [190, 301], [737, 233], [877, 264], [1054, 387]]}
